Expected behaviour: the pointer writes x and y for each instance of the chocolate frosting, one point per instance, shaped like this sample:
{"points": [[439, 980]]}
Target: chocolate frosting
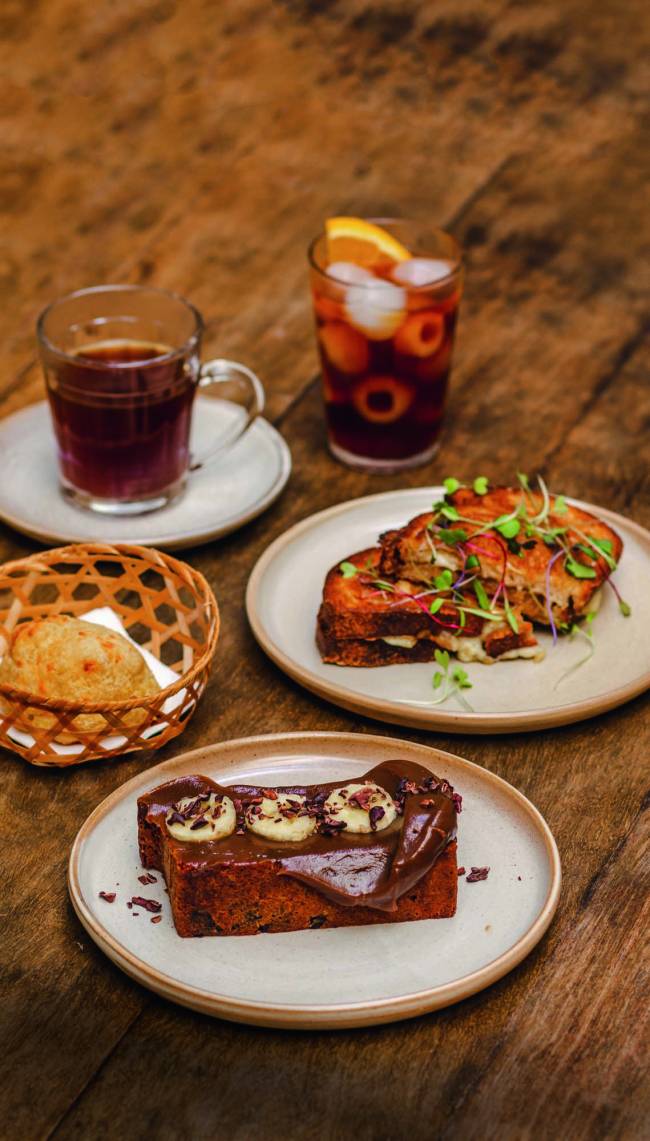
{"points": [[369, 869]]}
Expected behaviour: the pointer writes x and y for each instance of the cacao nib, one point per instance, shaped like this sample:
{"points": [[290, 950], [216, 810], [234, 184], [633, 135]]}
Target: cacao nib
{"points": [[147, 904], [147, 878], [270, 793], [405, 786], [175, 818], [109, 896], [461, 871], [155, 919], [362, 798], [458, 802], [376, 814], [201, 822], [329, 827], [477, 874]]}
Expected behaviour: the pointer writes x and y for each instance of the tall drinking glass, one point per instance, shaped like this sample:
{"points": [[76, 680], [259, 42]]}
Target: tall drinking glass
{"points": [[385, 335]]}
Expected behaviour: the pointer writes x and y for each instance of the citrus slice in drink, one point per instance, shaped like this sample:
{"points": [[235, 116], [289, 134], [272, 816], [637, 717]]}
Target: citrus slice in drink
{"points": [[362, 243], [382, 399]]}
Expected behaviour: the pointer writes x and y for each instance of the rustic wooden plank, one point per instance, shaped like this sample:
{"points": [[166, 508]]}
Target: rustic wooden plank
{"points": [[202, 182], [615, 439]]}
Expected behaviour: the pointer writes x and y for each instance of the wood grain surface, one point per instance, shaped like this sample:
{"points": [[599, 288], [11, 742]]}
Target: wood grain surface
{"points": [[198, 146]]}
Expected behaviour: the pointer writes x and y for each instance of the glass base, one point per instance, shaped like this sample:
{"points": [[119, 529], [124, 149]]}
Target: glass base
{"points": [[122, 507], [371, 464]]}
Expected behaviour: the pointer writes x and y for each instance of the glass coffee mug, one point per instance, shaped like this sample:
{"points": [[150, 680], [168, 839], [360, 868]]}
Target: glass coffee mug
{"points": [[122, 365]]}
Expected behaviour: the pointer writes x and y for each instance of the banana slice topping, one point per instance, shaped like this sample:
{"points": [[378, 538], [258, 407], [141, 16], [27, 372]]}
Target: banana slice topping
{"points": [[283, 817], [360, 807], [207, 817]]}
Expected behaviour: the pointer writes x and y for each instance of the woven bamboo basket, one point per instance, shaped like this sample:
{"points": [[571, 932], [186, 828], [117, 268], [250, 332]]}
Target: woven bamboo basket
{"points": [[165, 606]]}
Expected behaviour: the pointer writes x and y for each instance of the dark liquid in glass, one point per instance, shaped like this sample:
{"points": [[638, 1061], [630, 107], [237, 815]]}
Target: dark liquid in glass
{"points": [[123, 431], [385, 399]]}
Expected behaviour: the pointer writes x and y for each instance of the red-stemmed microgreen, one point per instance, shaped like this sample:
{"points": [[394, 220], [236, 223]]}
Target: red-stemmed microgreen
{"points": [[623, 606], [521, 529]]}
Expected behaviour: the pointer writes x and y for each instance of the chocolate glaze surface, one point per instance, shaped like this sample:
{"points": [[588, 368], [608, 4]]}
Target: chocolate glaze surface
{"points": [[370, 869]]}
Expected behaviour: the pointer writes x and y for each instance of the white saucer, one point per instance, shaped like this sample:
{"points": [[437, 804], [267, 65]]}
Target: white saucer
{"points": [[221, 496], [347, 976]]}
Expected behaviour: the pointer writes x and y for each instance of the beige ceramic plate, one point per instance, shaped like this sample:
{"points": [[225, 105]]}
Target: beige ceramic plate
{"points": [[351, 976], [220, 497], [284, 594]]}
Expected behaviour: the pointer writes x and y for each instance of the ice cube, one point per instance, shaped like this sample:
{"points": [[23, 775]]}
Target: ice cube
{"points": [[347, 272], [421, 271], [376, 308]]}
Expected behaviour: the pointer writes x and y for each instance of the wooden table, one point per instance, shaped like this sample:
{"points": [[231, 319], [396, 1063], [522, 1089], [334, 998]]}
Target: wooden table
{"points": [[198, 146]]}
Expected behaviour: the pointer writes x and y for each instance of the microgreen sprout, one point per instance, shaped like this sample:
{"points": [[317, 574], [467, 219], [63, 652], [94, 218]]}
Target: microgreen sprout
{"points": [[586, 632], [578, 570], [348, 570], [452, 535], [623, 606], [521, 530], [443, 580], [450, 684], [451, 485], [510, 618], [481, 595]]}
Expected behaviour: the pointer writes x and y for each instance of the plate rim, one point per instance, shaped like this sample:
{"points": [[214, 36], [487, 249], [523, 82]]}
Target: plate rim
{"points": [[316, 1015], [184, 539], [400, 713]]}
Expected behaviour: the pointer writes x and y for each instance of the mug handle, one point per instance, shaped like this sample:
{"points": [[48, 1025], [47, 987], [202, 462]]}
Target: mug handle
{"points": [[241, 387]]}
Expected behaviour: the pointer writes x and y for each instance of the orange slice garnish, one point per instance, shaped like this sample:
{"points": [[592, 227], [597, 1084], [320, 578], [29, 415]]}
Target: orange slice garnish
{"points": [[363, 243]]}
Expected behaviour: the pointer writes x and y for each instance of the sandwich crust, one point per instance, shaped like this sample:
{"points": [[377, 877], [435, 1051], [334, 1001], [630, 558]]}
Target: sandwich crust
{"points": [[416, 552], [359, 624]]}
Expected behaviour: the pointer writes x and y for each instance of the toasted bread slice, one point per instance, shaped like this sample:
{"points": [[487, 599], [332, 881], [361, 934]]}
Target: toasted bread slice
{"points": [[535, 573], [366, 621]]}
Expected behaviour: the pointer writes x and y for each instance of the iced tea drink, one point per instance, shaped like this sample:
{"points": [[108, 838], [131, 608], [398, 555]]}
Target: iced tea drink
{"points": [[386, 297]]}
